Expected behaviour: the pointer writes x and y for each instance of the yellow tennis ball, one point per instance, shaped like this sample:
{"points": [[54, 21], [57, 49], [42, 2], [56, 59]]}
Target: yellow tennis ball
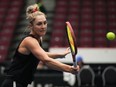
{"points": [[110, 36]]}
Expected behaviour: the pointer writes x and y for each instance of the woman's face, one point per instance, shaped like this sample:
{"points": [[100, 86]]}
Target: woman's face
{"points": [[39, 26]]}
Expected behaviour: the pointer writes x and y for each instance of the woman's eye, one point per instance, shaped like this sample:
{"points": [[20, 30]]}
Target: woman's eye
{"points": [[40, 23], [45, 22]]}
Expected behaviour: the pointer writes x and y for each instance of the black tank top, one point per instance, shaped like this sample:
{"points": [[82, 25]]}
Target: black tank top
{"points": [[23, 67]]}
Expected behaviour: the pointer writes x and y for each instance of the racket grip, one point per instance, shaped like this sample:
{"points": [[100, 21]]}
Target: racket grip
{"points": [[75, 64]]}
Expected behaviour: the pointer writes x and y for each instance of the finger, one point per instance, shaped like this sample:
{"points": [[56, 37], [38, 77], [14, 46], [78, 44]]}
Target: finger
{"points": [[78, 68]]}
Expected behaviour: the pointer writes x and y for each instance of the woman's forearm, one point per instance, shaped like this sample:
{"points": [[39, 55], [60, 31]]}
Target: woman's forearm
{"points": [[56, 65], [59, 55], [56, 55]]}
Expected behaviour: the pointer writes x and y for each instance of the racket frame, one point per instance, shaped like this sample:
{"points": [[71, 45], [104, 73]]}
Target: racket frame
{"points": [[74, 40]]}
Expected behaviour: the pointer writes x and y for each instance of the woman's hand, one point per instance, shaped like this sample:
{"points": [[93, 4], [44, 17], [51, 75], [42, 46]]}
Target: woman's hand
{"points": [[67, 51], [75, 70]]}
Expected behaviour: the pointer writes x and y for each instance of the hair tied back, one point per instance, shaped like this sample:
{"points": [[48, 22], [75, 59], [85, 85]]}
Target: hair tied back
{"points": [[34, 10]]}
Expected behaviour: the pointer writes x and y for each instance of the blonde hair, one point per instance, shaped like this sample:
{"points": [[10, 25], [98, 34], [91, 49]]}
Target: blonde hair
{"points": [[33, 11]]}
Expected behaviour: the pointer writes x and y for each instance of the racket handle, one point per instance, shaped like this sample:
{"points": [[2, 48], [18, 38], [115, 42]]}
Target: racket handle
{"points": [[75, 64]]}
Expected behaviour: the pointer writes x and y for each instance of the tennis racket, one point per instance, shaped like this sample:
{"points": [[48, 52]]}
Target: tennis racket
{"points": [[72, 42]]}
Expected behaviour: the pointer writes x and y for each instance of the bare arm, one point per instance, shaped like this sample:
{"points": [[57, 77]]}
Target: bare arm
{"points": [[41, 65], [59, 55], [33, 46]]}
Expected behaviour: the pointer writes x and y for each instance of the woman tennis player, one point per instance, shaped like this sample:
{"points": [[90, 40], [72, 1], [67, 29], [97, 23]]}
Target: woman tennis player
{"points": [[29, 53]]}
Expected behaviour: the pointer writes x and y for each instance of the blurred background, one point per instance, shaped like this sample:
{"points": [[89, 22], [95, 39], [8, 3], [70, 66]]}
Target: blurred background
{"points": [[90, 19]]}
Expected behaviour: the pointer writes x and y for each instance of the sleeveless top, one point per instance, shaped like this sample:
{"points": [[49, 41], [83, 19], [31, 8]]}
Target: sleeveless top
{"points": [[23, 67]]}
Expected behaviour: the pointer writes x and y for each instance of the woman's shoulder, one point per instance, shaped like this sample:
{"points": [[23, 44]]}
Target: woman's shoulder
{"points": [[29, 40]]}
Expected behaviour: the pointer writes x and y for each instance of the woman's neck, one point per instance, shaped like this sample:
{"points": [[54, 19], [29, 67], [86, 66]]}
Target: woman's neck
{"points": [[36, 36]]}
